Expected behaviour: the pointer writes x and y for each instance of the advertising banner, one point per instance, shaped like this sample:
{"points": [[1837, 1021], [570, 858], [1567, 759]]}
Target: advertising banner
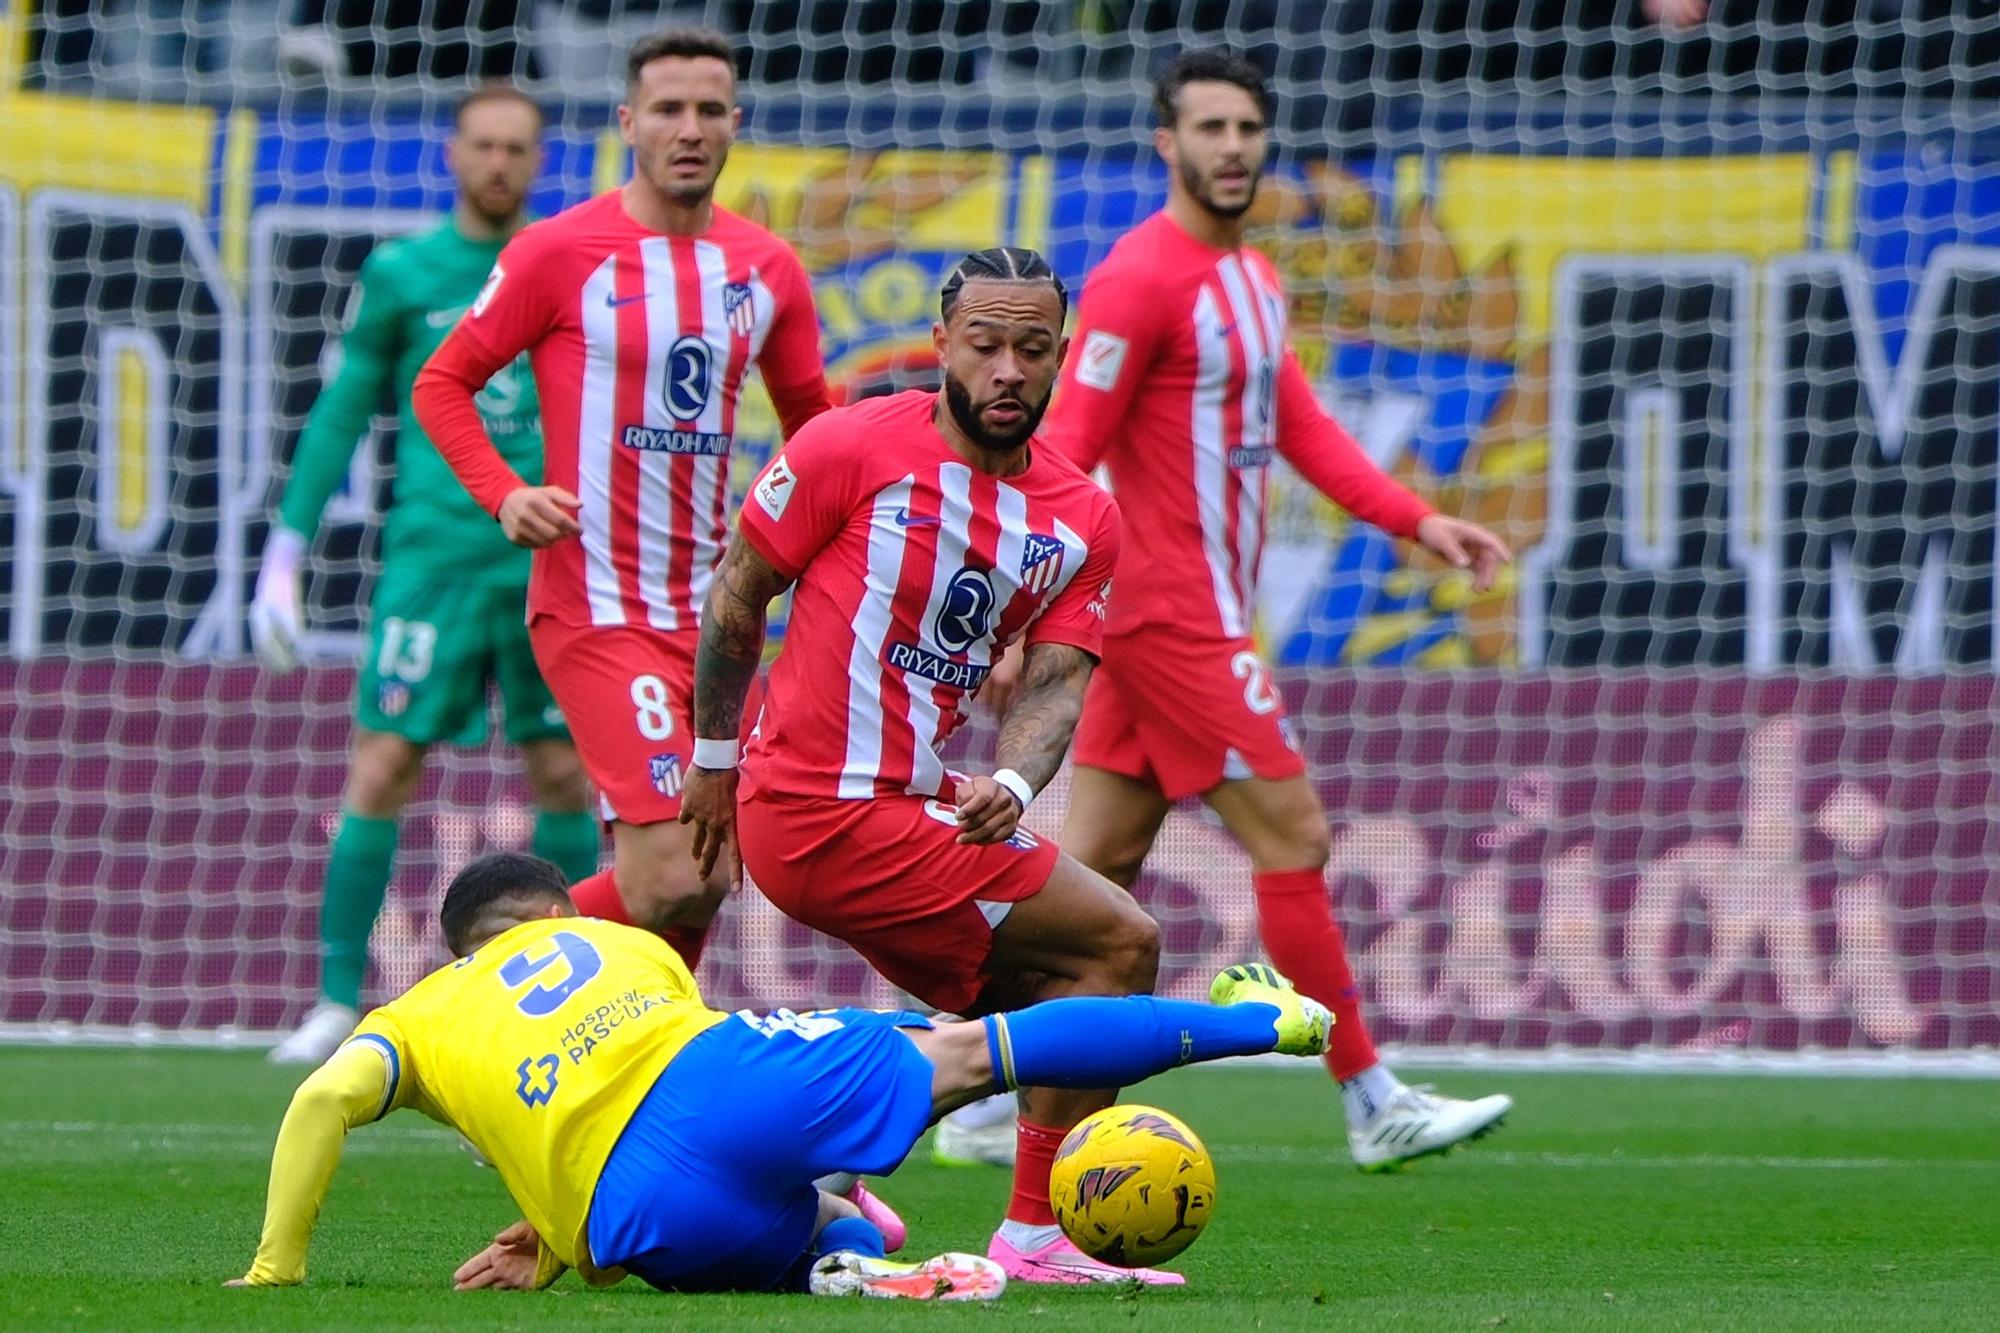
{"points": [[1601, 864]]}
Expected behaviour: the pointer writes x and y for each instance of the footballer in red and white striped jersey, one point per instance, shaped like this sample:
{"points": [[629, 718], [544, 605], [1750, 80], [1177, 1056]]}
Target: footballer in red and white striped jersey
{"points": [[921, 535], [642, 312], [1184, 385], [913, 572], [640, 344]]}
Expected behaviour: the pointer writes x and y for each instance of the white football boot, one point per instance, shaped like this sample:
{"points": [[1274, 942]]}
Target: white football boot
{"points": [[1417, 1122], [978, 1134], [326, 1025], [949, 1277]]}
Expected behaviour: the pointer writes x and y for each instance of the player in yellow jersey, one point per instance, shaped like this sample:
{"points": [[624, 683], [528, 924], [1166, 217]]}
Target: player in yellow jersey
{"points": [[642, 1132]]}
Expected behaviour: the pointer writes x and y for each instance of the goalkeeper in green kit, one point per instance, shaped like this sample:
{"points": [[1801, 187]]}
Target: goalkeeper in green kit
{"points": [[447, 622]]}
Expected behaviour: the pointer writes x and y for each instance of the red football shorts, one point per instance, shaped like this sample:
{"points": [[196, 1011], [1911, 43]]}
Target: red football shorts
{"points": [[1184, 716], [627, 692], [889, 877]]}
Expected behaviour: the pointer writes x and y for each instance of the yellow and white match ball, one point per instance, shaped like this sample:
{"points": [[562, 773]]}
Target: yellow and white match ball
{"points": [[1132, 1186]]}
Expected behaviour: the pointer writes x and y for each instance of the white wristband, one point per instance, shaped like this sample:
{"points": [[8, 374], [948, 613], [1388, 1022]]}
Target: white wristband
{"points": [[715, 754], [1016, 784]]}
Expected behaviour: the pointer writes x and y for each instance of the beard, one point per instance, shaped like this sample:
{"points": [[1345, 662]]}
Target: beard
{"points": [[959, 399], [687, 192], [477, 200], [1198, 190]]}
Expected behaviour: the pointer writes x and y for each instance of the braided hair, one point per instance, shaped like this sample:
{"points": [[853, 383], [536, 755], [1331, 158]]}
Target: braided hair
{"points": [[1003, 263]]}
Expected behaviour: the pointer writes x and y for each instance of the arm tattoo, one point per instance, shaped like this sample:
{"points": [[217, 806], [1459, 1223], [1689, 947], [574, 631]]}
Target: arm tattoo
{"points": [[732, 639], [1036, 734]]}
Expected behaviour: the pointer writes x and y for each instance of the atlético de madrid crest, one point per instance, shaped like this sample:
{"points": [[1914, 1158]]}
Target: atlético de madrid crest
{"points": [[1041, 563], [738, 308]]}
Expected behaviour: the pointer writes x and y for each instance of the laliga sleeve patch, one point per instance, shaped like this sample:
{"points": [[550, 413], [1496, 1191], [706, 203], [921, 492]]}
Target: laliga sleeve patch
{"points": [[485, 297], [1103, 357], [774, 489]]}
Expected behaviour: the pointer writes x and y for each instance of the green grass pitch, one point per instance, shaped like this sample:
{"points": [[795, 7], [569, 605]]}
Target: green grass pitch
{"points": [[132, 1183]]}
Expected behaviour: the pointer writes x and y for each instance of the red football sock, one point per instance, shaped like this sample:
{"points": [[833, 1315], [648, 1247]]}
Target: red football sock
{"points": [[1034, 1154], [1298, 928], [598, 896]]}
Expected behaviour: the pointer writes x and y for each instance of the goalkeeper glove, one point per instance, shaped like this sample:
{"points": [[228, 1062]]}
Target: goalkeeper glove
{"points": [[277, 623]]}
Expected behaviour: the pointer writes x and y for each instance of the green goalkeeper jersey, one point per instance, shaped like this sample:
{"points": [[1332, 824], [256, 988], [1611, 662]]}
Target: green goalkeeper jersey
{"points": [[410, 293]]}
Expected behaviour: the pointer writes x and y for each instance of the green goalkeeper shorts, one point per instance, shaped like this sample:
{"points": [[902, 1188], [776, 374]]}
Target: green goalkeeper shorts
{"points": [[436, 649]]}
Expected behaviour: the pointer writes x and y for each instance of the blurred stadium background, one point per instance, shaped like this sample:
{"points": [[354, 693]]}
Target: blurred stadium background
{"points": [[1701, 310]]}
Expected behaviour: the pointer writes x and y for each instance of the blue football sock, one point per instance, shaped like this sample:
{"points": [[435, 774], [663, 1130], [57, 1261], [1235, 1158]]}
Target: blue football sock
{"points": [[1107, 1043], [855, 1234]]}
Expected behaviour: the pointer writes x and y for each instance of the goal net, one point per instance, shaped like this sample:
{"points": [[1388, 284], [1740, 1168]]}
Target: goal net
{"points": [[1704, 320]]}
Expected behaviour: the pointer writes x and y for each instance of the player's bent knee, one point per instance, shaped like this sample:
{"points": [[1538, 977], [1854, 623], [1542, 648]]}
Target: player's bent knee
{"points": [[1294, 838], [1312, 842], [556, 777], [658, 901], [1142, 954], [1121, 865], [1130, 958], [657, 878], [381, 774]]}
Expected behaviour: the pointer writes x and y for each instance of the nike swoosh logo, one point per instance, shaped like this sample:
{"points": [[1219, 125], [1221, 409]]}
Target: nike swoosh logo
{"points": [[904, 518], [444, 319], [613, 302]]}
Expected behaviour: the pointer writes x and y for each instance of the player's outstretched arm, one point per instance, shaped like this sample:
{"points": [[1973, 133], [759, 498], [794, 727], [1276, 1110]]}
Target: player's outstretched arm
{"points": [[336, 424], [1335, 464], [1033, 739], [1464, 545], [517, 1260], [348, 1090], [725, 662], [1328, 457], [340, 415]]}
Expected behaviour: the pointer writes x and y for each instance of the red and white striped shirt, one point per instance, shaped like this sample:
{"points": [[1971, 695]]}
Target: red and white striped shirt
{"points": [[640, 343], [1182, 381], [914, 571]]}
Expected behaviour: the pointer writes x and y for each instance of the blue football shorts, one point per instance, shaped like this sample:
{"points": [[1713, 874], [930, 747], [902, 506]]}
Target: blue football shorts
{"points": [[709, 1188]]}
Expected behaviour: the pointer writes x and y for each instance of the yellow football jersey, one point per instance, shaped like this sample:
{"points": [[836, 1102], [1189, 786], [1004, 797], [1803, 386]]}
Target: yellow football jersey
{"points": [[538, 1047]]}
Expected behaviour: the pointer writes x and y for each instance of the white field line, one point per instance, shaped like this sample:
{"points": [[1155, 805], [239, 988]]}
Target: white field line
{"points": [[74, 1139], [1475, 1156], [1976, 1063], [225, 1138]]}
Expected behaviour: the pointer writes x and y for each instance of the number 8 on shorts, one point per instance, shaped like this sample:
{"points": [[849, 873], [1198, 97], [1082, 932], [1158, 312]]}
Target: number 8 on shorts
{"points": [[627, 691], [649, 697]]}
